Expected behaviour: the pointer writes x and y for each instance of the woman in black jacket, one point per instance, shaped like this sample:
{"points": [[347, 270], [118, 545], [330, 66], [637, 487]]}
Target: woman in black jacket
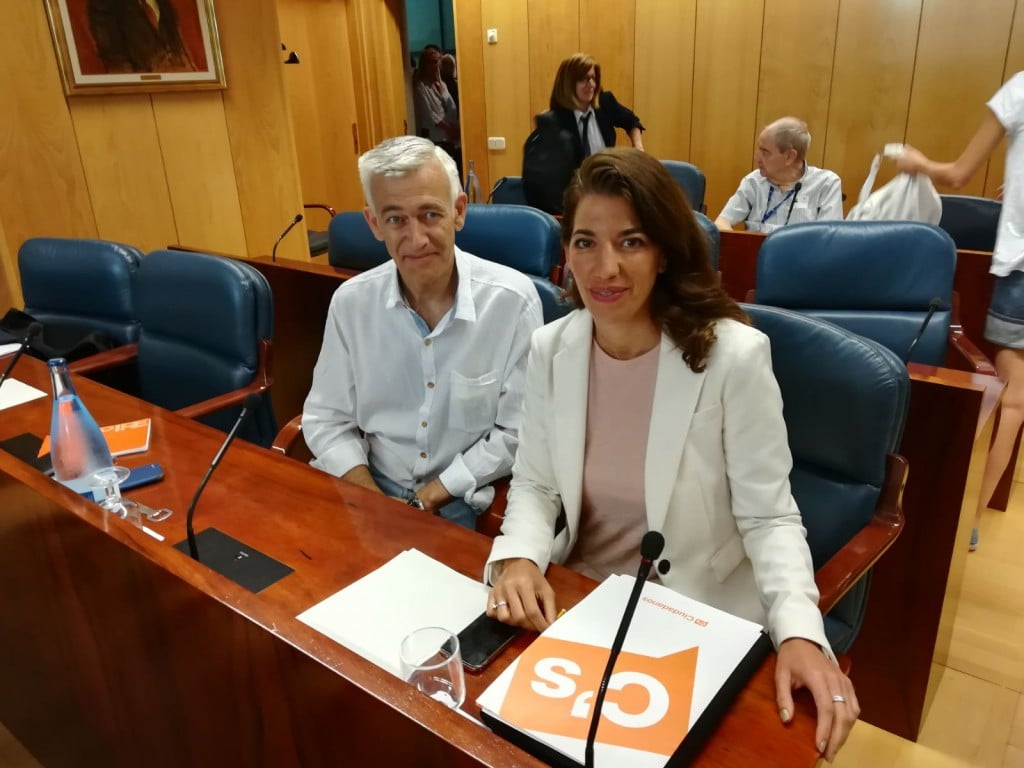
{"points": [[591, 115], [582, 120]]}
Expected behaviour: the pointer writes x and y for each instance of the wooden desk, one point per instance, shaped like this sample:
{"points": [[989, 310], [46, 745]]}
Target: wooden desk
{"points": [[118, 650], [917, 582], [916, 586]]}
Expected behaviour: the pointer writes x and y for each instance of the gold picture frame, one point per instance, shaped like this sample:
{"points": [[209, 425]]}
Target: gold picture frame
{"points": [[136, 46]]}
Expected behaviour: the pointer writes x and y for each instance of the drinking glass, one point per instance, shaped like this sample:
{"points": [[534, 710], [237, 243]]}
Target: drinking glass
{"points": [[108, 482], [432, 662]]}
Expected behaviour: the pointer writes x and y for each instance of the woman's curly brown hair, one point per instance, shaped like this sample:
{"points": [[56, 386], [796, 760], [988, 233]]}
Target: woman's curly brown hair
{"points": [[686, 299]]}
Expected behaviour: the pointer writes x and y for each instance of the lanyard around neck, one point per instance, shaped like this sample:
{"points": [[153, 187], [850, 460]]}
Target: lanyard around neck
{"points": [[769, 213]]}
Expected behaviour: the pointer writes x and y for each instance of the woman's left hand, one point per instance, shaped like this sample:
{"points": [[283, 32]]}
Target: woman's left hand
{"points": [[802, 664]]}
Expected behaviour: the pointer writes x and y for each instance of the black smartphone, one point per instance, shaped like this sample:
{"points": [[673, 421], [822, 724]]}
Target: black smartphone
{"points": [[144, 475], [482, 640]]}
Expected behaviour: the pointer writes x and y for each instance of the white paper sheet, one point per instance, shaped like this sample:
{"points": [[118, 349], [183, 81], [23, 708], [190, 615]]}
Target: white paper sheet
{"points": [[6, 349], [373, 614], [14, 392]]}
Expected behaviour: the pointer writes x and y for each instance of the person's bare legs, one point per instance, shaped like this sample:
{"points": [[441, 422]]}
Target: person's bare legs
{"points": [[1010, 366]]}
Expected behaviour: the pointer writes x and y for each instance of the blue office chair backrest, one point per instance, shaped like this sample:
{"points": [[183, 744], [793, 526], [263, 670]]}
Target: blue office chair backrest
{"points": [[972, 222], [875, 278], [691, 179], [523, 238], [526, 239], [509, 191], [714, 237], [845, 402], [351, 243], [81, 285], [202, 320]]}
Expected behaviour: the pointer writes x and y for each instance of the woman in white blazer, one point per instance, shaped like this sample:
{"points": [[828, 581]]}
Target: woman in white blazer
{"points": [[654, 407]]}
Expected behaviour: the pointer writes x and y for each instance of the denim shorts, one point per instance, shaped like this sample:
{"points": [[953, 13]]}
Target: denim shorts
{"points": [[1004, 325]]}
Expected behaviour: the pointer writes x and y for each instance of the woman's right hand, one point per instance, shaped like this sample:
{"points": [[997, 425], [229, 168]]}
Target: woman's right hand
{"points": [[522, 596]]}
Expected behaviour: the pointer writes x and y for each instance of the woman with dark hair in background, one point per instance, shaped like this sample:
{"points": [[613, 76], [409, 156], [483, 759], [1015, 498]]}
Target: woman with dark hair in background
{"points": [[654, 407], [582, 120], [579, 105]]}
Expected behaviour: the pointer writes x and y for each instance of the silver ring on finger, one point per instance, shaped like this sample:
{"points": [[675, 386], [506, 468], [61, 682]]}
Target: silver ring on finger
{"points": [[499, 604], [838, 699]]}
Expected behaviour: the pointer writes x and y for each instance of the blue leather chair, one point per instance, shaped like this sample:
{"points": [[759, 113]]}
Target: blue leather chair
{"points": [[972, 222], [81, 285], [526, 239], [714, 237], [875, 278], [691, 179], [204, 344], [509, 191], [845, 402], [351, 244]]}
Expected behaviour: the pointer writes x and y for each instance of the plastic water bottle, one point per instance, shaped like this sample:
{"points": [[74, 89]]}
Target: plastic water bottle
{"points": [[473, 185], [77, 446]]}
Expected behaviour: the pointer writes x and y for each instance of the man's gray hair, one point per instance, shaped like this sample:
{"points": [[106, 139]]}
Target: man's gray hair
{"points": [[791, 133], [401, 155]]}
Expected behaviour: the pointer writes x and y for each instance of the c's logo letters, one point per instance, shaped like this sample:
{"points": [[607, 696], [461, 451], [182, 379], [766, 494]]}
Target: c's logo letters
{"points": [[553, 688]]}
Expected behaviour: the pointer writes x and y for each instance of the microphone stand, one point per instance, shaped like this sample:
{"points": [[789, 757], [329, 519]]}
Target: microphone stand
{"points": [[933, 306], [273, 251], [650, 548], [228, 556], [31, 331]]}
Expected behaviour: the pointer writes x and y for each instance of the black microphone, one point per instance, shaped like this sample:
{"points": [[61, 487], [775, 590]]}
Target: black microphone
{"points": [[31, 332], [273, 251], [251, 401], [796, 191], [650, 548], [933, 306]]}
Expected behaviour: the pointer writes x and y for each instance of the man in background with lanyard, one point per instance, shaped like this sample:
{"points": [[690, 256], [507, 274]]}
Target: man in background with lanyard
{"points": [[784, 189]]}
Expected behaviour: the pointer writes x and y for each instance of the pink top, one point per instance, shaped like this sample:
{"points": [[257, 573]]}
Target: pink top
{"points": [[614, 516]]}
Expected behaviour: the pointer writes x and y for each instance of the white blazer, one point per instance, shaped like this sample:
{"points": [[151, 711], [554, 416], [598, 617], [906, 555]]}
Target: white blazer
{"points": [[716, 478]]}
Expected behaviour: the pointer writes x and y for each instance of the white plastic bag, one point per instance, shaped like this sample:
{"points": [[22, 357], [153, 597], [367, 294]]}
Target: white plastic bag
{"points": [[908, 197]]}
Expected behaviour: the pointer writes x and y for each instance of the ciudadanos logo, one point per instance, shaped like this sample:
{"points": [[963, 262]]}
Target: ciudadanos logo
{"points": [[647, 706]]}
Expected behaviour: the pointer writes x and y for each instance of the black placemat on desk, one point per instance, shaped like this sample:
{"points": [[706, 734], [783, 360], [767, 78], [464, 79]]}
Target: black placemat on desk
{"points": [[26, 447]]}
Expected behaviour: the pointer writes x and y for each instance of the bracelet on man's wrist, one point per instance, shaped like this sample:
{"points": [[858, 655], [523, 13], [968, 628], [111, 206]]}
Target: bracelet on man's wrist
{"points": [[415, 502]]}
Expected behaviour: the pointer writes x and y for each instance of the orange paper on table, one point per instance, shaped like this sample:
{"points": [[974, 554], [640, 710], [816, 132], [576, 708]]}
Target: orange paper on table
{"points": [[122, 439]]}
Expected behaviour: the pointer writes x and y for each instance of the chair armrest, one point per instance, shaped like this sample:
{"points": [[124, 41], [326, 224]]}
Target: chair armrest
{"points": [[974, 357], [286, 440], [489, 522], [322, 207], [847, 566], [261, 382], [104, 360]]}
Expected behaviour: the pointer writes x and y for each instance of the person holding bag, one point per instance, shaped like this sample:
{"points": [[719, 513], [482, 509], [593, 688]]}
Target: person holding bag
{"points": [[1004, 326]]}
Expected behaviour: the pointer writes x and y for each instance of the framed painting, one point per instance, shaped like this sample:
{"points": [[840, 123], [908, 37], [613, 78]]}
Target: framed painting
{"points": [[125, 46]]}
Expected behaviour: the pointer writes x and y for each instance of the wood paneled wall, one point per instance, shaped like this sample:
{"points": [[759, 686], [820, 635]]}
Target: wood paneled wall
{"points": [[705, 76], [209, 169]]}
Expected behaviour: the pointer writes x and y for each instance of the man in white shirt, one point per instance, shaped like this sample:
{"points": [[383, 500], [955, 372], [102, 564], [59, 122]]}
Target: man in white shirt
{"points": [[784, 189], [419, 386]]}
